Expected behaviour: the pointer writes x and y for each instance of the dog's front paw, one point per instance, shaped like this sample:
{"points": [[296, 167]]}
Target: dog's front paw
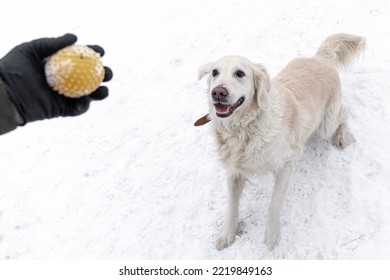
{"points": [[272, 236], [224, 240]]}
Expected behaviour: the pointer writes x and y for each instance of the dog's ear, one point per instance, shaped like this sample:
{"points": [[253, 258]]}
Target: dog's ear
{"points": [[204, 70], [262, 84]]}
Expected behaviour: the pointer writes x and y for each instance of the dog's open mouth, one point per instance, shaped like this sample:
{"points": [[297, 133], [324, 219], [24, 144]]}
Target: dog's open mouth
{"points": [[224, 110]]}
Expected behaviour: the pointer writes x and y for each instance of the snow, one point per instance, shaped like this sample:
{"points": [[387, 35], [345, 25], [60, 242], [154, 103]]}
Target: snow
{"points": [[134, 179]]}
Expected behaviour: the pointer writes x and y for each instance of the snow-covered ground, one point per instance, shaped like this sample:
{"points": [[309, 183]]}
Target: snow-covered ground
{"points": [[133, 179]]}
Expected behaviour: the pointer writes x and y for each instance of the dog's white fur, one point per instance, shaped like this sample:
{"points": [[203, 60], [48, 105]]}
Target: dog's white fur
{"points": [[269, 130]]}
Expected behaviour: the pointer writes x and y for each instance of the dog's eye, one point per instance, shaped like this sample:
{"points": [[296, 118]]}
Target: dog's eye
{"points": [[239, 74], [214, 73]]}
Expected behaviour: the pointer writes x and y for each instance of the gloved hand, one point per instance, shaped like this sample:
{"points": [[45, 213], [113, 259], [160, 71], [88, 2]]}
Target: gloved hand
{"points": [[22, 71]]}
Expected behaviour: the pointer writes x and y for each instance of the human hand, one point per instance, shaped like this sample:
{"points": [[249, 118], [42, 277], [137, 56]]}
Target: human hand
{"points": [[22, 71]]}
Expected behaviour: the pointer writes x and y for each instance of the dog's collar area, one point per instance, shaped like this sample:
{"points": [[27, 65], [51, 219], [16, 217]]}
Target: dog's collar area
{"points": [[225, 110], [203, 120]]}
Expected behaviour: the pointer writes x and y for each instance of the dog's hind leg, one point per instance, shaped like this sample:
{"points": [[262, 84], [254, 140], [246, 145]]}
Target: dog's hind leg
{"points": [[342, 137], [282, 181], [236, 184], [334, 125]]}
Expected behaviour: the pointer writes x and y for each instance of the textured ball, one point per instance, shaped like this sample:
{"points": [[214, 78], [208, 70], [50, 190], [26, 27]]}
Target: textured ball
{"points": [[74, 71]]}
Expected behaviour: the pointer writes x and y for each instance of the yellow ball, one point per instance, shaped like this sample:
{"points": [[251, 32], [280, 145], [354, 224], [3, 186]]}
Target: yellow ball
{"points": [[74, 71]]}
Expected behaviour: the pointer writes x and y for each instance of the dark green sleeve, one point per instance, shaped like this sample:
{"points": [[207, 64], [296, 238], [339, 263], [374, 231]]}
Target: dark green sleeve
{"points": [[8, 114]]}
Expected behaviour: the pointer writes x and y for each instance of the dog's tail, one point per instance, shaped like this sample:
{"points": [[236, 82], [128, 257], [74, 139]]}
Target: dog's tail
{"points": [[341, 49]]}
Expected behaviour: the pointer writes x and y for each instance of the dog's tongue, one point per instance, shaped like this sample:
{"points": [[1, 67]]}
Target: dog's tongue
{"points": [[222, 108]]}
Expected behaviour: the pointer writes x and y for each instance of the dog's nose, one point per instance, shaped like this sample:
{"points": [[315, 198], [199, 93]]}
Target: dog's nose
{"points": [[219, 93]]}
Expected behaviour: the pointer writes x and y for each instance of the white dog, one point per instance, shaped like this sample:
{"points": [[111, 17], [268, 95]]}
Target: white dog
{"points": [[262, 125]]}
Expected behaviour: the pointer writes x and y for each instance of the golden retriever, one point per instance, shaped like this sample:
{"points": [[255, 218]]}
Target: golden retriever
{"points": [[262, 125]]}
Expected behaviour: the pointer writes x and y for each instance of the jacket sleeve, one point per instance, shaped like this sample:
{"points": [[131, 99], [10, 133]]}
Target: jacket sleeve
{"points": [[9, 118]]}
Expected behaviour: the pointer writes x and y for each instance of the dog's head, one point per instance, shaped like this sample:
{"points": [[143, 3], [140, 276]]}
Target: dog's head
{"points": [[236, 85]]}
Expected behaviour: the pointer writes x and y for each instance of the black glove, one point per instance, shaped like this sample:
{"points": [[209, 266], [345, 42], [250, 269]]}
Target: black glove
{"points": [[22, 71]]}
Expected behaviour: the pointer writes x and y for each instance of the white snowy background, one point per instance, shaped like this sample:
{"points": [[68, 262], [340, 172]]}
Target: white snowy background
{"points": [[134, 179]]}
